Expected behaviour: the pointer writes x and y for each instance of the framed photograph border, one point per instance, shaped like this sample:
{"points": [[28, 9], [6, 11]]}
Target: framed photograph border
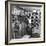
{"points": [[6, 23]]}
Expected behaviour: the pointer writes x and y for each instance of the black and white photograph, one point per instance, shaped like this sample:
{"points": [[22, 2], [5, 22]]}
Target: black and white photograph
{"points": [[24, 22]]}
